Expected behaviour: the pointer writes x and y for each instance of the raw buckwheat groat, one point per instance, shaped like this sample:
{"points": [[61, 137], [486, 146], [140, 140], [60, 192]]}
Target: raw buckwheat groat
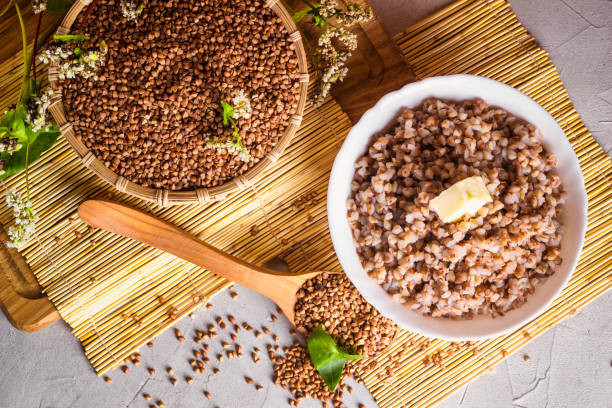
{"points": [[334, 302], [153, 116]]}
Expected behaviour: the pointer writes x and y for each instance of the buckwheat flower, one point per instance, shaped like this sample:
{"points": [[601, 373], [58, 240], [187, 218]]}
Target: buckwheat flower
{"points": [[54, 53], [241, 104], [346, 38], [355, 13], [129, 9], [13, 200], [332, 59], [38, 6], [37, 111], [235, 147], [85, 65], [25, 219], [328, 8], [8, 145], [331, 75]]}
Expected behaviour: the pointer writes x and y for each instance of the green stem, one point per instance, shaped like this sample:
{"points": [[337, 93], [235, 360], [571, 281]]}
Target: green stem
{"points": [[26, 58], [236, 130], [7, 8], [23, 34], [309, 4], [27, 173]]}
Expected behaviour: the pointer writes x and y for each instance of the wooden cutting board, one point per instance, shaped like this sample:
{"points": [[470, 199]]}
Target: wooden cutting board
{"points": [[376, 68], [21, 298]]}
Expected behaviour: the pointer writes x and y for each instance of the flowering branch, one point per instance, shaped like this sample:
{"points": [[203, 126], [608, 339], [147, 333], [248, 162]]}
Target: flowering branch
{"points": [[25, 132], [25, 219], [335, 43], [240, 108], [74, 60]]}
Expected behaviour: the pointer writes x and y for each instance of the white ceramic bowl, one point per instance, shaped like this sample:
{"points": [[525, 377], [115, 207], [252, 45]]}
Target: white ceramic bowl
{"points": [[457, 87]]}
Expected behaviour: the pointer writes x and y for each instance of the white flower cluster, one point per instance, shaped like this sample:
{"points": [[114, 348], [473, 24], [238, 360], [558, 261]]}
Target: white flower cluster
{"points": [[327, 8], [241, 104], [25, 218], [38, 6], [355, 13], [333, 74], [53, 54], [9, 145], [336, 43], [332, 59], [129, 9], [85, 66], [346, 39], [84, 63], [37, 111], [231, 147]]}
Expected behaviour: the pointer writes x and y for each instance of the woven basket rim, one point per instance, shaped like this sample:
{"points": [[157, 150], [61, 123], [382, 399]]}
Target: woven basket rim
{"points": [[200, 195]]}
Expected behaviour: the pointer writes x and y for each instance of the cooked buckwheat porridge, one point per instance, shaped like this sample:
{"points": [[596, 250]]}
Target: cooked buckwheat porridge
{"points": [[482, 264]]}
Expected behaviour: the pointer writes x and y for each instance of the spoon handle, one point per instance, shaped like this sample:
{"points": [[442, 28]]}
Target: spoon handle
{"points": [[152, 231]]}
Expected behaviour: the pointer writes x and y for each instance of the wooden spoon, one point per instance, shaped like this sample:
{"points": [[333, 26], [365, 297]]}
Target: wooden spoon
{"points": [[281, 287]]}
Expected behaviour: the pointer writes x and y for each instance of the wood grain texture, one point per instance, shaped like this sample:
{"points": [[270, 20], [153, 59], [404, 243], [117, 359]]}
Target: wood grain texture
{"points": [[281, 287], [376, 68], [21, 298]]}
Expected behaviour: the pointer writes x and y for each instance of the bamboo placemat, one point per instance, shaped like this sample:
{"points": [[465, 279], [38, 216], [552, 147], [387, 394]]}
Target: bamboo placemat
{"points": [[484, 37], [108, 288]]}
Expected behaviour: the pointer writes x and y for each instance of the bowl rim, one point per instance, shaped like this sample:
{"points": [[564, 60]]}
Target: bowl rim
{"points": [[336, 206], [165, 197]]}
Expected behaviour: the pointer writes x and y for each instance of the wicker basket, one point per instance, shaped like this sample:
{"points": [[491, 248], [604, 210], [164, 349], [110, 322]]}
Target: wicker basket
{"points": [[200, 195]]}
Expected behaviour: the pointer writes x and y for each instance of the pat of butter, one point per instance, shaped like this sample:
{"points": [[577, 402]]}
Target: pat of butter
{"points": [[464, 197]]}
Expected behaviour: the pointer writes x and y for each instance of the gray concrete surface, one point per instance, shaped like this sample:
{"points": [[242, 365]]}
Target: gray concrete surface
{"points": [[48, 369], [570, 365]]}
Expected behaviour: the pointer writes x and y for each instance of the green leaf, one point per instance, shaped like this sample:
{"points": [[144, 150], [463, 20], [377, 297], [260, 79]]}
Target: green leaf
{"points": [[31, 90], [319, 21], [302, 13], [13, 122], [38, 143], [71, 37], [58, 6], [38, 86], [327, 357], [228, 112]]}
